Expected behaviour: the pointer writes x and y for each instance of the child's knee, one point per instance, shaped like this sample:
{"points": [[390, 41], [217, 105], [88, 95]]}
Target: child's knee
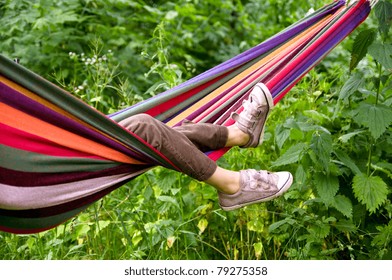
{"points": [[137, 120]]}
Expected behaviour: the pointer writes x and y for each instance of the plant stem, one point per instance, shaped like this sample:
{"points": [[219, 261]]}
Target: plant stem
{"points": [[378, 90], [379, 66], [369, 157]]}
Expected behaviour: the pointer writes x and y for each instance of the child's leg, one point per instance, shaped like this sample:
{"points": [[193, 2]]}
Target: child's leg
{"points": [[205, 136], [176, 146], [183, 147]]}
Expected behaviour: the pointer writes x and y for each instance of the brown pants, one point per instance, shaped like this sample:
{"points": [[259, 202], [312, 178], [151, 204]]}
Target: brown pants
{"points": [[183, 145]]}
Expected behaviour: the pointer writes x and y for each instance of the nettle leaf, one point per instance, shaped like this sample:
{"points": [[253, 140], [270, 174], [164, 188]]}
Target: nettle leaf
{"points": [[320, 229], [355, 82], [321, 145], [327, 186], [361, 44], [166, 180], [383, 11], [372, 191], [375, 117], [282, 134], [382, 53], [384, 167], [300, 177], [169, 200], [345, 226], [347, 161], [292, 155], [384, 237], [317, 116], [346, 137], [343, 205], [280, 223]]}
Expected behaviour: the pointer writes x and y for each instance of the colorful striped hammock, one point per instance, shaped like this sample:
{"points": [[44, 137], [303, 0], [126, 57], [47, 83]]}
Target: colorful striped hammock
{"points": [[58, 155]]}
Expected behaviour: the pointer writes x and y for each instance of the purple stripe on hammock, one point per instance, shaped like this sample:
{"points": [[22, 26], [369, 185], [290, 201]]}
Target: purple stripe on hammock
{"points": [[22, 103]]}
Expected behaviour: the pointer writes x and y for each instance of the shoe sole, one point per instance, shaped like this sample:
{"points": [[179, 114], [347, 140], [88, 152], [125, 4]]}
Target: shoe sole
{"points": [[285, 187], [270, 102], [260, 131]]}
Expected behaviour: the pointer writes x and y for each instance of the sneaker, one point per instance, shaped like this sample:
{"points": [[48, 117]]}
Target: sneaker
{"points": [[252, 119], [255, 187]]}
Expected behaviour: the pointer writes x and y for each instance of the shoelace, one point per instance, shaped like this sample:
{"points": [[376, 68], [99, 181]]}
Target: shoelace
{"points": [[250, 113], [262, 180]]}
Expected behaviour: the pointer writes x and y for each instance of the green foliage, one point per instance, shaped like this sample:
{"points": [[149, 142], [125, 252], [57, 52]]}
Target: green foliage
{"points": [[354, 83], [372, 191], [383, 11], [376, 117], [382, 53], [332, 131], [383, 240], [292, 155], [361, 45], [327, 187]]}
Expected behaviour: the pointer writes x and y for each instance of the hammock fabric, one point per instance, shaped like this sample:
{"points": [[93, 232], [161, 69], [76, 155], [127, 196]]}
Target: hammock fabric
{"points": [[58, 155]]}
